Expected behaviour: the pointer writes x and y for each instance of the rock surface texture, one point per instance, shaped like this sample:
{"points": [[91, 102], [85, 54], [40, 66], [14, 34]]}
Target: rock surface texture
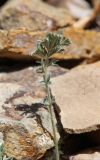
{"points": [[33, 15], [20, 44], [24, 121], [80, 100], [90, 154]]}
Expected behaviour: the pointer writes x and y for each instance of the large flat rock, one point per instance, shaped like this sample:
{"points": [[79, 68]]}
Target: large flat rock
{"points": [[78, 95], [20, 44]]}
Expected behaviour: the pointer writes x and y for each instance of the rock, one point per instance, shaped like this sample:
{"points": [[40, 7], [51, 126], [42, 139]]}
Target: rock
{"points": [[25, 13], [20, 44], [92, 21], [88, 17], [77, 8], [84, 22], [78, 98], [96, 15], [27, 75], [24, 121], [82, 44], [90, 154], [54, 2]]}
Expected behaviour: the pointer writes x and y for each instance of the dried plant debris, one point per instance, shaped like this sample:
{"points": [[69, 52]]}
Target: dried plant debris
{"points": [[23, 13]]}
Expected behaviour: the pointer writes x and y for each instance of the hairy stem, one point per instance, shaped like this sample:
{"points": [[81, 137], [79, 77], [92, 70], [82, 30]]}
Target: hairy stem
{"points": [[50, 107], [53, 124]]}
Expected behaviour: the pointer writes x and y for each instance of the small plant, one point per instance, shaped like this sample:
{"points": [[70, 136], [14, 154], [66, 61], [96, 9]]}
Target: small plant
{"points": [[2, 155], [53, 43]]}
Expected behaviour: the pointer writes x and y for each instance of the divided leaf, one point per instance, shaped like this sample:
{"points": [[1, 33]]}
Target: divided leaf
{"points": [[53, 43]]}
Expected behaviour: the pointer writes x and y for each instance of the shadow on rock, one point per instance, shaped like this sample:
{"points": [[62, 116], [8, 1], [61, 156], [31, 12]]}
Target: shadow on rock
{"points": [[30, 110], [8, 65]]}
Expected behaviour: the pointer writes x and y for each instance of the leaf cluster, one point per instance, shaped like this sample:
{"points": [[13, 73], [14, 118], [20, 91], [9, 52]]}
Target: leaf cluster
{"points": [[53, 43]]}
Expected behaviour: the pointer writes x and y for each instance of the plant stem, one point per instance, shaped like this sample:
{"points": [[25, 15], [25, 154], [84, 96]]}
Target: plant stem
{"points": [[53, 124], [50, 107]]}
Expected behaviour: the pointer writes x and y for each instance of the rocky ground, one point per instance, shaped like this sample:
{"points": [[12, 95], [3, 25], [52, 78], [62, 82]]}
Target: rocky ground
{"points": [[25, 125]]}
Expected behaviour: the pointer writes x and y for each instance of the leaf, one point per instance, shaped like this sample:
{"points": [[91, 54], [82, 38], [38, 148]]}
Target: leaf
{"points": [[39, 70], [48, 79], [45, 102], [53, 62], [38, 62], [53, 43], [1, 150]]}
